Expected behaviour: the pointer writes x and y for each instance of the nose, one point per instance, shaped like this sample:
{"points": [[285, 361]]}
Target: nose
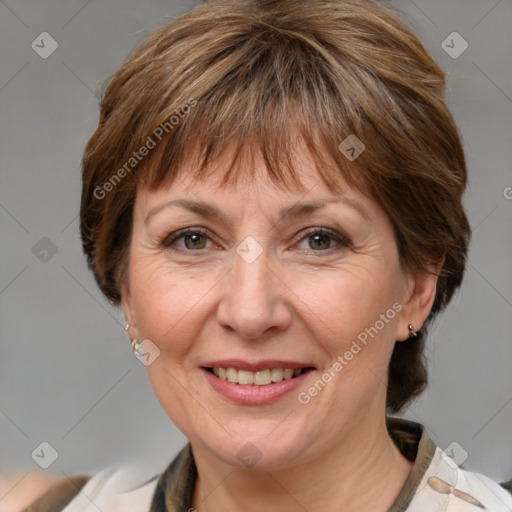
{"points": [[254, 299]]}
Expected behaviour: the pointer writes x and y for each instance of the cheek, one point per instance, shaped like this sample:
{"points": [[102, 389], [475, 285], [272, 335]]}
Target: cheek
{"points": [[344, 307], [169, 306]]}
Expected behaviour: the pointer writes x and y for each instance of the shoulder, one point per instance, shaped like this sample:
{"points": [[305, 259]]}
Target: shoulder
{"points": [[456, 489], [110, 490], [507, 485], [59, 494], [438, 481], [494, 495]]}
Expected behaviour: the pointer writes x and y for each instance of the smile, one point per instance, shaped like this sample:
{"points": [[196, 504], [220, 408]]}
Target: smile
{"points": [[257, 378], [259, 383]]}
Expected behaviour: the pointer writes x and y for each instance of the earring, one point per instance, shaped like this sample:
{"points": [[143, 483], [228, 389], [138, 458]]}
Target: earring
{"points": [[412, 332], [135, 346], [127, 327]]}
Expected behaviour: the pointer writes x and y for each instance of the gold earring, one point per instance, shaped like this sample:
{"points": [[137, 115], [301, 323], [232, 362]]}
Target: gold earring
{"points": [[135, 346], [412, 332]]}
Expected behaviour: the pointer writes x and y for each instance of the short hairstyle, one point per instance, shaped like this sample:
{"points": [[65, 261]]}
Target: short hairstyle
{"points": [[263, 75]]}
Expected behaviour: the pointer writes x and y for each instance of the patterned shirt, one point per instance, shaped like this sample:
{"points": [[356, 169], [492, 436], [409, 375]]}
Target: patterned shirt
{"points": [[436, 484]]}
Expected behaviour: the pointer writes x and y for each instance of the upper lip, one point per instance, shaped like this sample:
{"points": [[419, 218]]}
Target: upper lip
{"points": [[255, 366]]}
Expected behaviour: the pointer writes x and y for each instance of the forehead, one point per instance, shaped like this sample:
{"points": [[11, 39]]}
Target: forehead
{"points": [[250, 177], [254, 190]]}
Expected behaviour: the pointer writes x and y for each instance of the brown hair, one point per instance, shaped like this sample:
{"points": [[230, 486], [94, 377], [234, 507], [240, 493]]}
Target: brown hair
{"points": [[251, 71]]}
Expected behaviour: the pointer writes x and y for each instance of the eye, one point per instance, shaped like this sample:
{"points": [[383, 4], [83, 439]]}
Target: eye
{"points": [[193, 239], [196, 239], [322, 240]]}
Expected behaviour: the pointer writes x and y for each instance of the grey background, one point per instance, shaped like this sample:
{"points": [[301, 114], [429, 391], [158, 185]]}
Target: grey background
{"points": [[67, 375]]}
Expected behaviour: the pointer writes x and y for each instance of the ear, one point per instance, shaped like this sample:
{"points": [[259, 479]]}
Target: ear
{"points": [[419, 300]]}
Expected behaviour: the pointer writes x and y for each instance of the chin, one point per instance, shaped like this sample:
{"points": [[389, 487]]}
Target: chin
{"points": [[257, 451]]}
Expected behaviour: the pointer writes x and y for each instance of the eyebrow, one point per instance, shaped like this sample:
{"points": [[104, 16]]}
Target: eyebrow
{"points": [[296, 210]]}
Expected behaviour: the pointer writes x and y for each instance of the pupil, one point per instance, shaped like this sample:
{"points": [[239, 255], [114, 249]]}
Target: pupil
{"points": [[194, 241], [318, 242]]}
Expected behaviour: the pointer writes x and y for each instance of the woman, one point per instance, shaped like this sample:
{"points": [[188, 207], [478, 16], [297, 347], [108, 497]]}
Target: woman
{"points": [[274, 196]]}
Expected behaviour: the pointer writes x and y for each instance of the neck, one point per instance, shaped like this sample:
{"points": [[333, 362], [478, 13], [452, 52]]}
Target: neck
{"points": [[363, 471]]}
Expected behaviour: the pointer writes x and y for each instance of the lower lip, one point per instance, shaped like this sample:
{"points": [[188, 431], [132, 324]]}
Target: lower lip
{"points": [[251, 394]]}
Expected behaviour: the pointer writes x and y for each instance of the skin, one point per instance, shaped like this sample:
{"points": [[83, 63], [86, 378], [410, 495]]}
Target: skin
{"points": [[297, 301], [20, 490]]}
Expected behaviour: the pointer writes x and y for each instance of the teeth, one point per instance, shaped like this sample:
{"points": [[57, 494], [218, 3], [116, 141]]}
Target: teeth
{"points": [[232, 375], [245, 377], [288, 373], [276, 374], [259, 378], [262, 378]]}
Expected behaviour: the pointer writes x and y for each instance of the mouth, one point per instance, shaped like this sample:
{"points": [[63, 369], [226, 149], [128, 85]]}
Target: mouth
{"points": [[260, 383], [264, 377]]}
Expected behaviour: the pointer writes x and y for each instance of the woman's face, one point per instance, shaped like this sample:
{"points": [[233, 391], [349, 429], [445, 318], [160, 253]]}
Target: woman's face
{"points": [[268, 280]]}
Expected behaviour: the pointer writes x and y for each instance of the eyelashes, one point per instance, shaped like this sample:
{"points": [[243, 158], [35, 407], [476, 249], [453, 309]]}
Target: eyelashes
{"points": [[191, 238], [170, 240], [184, 233], [321, 234]]}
